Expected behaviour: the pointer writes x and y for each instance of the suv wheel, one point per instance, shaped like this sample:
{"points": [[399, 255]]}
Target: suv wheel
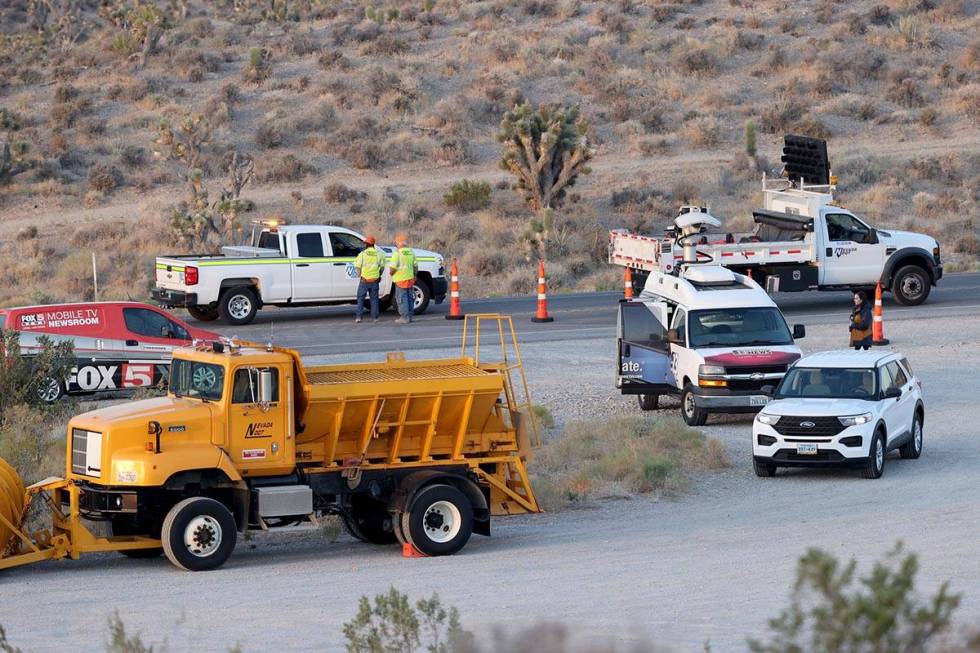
{"points": [[913, 448], [692, 415], [911, 287], [875, 464], [238, 305], [763, 469], [648, 402]]}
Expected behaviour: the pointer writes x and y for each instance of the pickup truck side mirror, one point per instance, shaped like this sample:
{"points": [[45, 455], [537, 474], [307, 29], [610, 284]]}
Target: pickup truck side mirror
{"points": [[674, 338], [893, 393], [799, 331]]}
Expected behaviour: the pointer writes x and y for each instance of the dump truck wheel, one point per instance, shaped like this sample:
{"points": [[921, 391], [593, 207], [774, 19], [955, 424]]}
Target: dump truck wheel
{"points": [[198, 534], [370, 521], [125, 526], [440, 520]]}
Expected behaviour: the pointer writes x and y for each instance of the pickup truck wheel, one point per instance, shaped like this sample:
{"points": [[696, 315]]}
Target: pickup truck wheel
{"points": [[913, 448], [875, 465], [692, 415], [369, 521], [198, 534], [238, 305], [911, 286], [203, 313], [421, 294], [648, 402], [385, 303], [49, 390], [440, 520], [126, 526]]}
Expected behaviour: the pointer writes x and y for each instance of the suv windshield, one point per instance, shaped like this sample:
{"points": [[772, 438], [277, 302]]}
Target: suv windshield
{"points": [[194, 379], [736, 327], [828, 383]]}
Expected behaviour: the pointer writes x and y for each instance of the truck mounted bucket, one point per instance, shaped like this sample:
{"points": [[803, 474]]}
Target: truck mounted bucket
{"points": [[13, 501]]}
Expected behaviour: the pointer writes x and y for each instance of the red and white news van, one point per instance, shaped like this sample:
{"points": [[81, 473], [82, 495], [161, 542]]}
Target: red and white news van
{"points": [[118, 345]]}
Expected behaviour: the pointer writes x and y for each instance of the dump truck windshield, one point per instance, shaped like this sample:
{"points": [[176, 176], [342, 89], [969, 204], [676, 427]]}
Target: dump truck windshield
{"points": [[200, 380], [738, 327]]}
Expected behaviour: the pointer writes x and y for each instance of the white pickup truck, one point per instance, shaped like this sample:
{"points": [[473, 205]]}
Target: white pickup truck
{"points": [[801, 241], [285, 265]]}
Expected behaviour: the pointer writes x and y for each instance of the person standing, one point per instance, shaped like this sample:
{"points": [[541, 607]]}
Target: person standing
{"points": [[861, 321], [369, 264], [403, 270]]}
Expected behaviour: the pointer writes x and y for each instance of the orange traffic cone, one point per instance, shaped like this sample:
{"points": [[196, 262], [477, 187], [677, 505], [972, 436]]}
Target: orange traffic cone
{"points": [[409, 551], [455, 312], [877, 324], [628, 283], [542, 314]]}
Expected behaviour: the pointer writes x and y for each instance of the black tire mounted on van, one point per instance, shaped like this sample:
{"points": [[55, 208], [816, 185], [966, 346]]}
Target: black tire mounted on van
{"points": [[911, 285], [648, 402], [238, 305], [692, 415]]}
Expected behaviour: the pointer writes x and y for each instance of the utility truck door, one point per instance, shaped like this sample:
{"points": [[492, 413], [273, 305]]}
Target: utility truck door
{"points": [[643, 353], [257, 426], [852, 254], [312, 269]]}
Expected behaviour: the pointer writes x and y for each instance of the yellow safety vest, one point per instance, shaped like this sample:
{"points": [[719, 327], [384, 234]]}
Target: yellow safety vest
{"points": [[403, 263], [370, 262]]}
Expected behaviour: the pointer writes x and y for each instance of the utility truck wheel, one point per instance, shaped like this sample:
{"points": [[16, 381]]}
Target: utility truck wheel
{"points": [[198, 534], [369, 521], [203, 313], [692, 415], [911, 287], [421, 294], [439, 522], [875, 465], [49, 390], [648, 402], [238, 305], [913, 448], [125, 526], [385, 303], [763, 470]]}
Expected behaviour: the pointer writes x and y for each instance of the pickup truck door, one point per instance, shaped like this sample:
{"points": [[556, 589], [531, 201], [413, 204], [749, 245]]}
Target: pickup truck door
{"points": [[851, 253], [311, 266], [344, 249], [643, 354]]}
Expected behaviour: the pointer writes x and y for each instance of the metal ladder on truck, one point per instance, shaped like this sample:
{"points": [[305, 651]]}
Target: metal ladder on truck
{"points": [[507, 476]]}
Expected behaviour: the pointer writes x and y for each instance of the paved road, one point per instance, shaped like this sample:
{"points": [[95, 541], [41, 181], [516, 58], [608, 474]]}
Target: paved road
{"points": [[324, 331]]}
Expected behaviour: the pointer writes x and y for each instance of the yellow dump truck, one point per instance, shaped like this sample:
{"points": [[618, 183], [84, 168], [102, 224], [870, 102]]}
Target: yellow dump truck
{"points": [[420, 452]]}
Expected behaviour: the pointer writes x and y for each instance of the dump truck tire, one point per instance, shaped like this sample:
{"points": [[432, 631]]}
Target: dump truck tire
{"points": [[12, 495], [369, 521], [198, 534], [439, 521]]}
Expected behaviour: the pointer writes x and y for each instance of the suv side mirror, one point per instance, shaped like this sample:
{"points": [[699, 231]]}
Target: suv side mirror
{"points": [[674, 338], [893, 393], [799, 331]]}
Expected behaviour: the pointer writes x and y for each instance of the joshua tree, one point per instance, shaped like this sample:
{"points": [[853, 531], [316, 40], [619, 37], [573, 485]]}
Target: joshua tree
{"points": [[546, 149], [13, 154]]}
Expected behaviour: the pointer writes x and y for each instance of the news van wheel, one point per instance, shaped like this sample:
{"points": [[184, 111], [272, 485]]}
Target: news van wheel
{"points": [[50, 390]]}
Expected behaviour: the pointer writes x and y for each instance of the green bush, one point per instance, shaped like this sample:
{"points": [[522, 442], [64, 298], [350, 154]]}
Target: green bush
{"points": [[468, 195], [392, 625]]}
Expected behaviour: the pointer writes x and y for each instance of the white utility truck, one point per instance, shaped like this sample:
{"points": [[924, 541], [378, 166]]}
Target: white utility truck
{"points": [[284, 265], [801, 241], [709, 335]]}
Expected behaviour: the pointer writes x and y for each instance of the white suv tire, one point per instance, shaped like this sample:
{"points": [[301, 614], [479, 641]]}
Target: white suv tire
{"points": [[875, 465]]}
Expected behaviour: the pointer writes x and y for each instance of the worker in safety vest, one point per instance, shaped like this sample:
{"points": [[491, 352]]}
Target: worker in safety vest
{"points": [[403, 270], [370, 263]]}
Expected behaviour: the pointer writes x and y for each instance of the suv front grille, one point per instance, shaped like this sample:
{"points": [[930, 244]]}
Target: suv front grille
{"points": [[815, 426]]}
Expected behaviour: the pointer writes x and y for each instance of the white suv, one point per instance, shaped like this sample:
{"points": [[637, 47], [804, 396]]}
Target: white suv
{"points": [[841, 408]]}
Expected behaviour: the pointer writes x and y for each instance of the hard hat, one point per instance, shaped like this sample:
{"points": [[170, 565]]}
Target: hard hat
{"points": [[369, 240], [401, 239]]}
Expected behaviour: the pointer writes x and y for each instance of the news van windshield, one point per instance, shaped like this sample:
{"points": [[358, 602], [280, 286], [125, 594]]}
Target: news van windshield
{"points": [[738, 327]]}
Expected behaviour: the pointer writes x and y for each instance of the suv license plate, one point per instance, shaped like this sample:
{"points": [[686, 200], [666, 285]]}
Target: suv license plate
{"points": [[758, 400], [806, 449]]}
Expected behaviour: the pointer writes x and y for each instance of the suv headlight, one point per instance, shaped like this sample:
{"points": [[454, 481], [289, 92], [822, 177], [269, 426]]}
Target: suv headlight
{"points": [[710, 370], [766, 418], [855, 420]]}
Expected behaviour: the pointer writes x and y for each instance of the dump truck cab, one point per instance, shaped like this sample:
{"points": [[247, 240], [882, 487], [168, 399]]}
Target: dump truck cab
{"points": [[421, 452]]}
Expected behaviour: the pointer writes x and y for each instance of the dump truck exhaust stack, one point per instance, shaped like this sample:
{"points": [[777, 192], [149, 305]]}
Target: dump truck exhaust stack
{"points": [[13, 500]]}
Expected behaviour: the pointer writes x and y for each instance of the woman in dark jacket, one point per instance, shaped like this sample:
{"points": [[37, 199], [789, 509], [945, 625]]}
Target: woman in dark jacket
{"points": [[861, 321]]}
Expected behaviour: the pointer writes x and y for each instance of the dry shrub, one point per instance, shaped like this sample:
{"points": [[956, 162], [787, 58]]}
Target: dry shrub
{"points": [[701, 132], [269, 135], [695, 58], [288, 168], [780, 116], [967, 101], [385, 45], [968, 244], [905, 91], [337, 193], [634, 455], [467, 196], [103, 178], [364, 154]]}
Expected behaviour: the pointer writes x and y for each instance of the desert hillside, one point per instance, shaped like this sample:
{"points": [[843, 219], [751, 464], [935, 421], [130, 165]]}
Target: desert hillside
{"points": [[367, 113]]}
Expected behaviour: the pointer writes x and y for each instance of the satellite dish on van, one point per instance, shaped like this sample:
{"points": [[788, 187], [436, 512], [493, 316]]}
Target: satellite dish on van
{"points": [[693, 218]]}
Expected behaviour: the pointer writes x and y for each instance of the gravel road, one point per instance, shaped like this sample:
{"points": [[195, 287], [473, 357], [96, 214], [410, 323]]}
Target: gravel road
{"points": [[712, 565]]}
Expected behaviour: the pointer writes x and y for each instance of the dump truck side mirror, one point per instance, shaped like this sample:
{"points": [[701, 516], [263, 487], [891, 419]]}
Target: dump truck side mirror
{"points": [[265, 386]]}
